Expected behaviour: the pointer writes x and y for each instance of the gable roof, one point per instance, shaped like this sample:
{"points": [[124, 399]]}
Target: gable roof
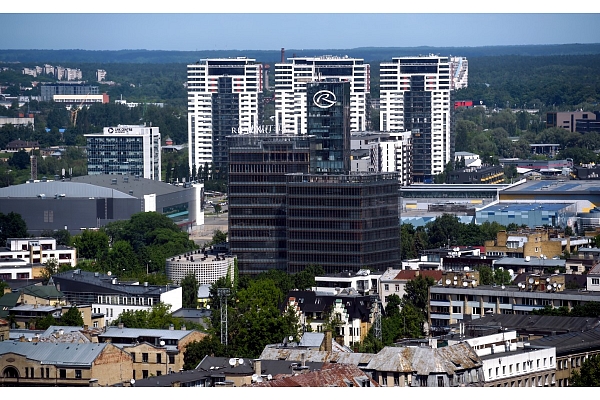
{"points": [[413, 274], [357, 307], [42, 291]]}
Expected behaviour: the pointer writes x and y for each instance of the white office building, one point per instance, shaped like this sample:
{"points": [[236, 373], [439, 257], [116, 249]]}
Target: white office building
{"points": [[459, 67], [396, 156], [415, 96], [125, 150], [290, 89], [224, 98]]}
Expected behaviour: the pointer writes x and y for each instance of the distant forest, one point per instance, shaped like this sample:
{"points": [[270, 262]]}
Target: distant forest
{"points": [[370, 54]]}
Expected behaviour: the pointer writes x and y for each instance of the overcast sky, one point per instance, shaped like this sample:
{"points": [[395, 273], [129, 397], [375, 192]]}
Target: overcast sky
{"points": [[261, 31]]}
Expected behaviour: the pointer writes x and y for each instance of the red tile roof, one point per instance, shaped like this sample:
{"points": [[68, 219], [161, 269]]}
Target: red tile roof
{"points": [[337, 375]]}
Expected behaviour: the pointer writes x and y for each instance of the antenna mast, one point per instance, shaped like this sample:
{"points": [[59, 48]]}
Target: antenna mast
{"points": [[223, 293]]}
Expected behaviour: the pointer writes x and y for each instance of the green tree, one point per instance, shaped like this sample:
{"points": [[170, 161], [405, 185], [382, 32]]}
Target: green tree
{"points": [[588, 375], [62, 236], [195, 351], [19, 160], [72, 317], [189, 287], [159, 317], [91, 244], [12, 225], [486, 275]]}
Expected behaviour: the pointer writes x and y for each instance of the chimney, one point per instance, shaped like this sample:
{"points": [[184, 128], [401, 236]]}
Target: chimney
{"points": [[22, 338], [183, 328], [327, 346], [282, 55], [171, 327], [120, 326], [257, 366], [303, 358]]}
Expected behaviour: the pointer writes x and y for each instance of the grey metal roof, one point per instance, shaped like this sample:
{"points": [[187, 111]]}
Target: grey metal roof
{"points": [[536, 323], [69, 189], [139, 186], [116, 332], [571, 342], [82, 354], [311, 339]]}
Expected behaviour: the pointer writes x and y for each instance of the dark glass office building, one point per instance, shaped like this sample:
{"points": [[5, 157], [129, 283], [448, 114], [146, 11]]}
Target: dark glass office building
{"points": [[329, 122], [257, 197], [343, 222]]}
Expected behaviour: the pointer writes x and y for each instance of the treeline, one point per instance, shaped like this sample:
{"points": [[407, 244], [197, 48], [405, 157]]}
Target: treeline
{"points": [[444, 231]]}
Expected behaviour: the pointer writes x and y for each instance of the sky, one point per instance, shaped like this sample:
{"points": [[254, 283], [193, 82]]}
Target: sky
{"points": [[254, 29]]}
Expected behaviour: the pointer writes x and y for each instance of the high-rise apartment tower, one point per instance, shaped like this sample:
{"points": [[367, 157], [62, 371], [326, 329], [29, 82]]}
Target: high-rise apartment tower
{"points": [[415, 95], [224, 98], [291, 78]]}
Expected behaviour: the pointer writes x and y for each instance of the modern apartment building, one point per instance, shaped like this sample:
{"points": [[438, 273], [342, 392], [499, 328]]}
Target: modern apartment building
{"points": [[292, 101], [49, 90], [415, 95], [224, 98], [125, 150]]}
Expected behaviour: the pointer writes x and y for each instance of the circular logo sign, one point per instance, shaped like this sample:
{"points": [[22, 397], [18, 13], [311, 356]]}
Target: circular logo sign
{"points": [[324, 99], [111, 130]]}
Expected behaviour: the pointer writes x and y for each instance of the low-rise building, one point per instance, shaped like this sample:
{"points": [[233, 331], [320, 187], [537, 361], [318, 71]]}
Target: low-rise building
{"points": [[363, 281], [393, 281], [63, 364], [39, 250], [154, 351], [107, 295], [207, 267]]}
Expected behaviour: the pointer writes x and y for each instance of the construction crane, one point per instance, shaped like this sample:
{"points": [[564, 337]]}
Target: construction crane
{"points": [[75, 111]]}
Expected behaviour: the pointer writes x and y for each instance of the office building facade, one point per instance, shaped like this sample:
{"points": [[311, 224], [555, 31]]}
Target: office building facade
{"points": [[224, 98], [343, 222], [258, 165], [291, 81], [415, 95], [125, 150]]}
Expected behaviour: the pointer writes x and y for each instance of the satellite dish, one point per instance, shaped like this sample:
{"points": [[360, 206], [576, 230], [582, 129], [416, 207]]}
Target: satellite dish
{"points": [[547, 279], [259, 379], [455, 277], [530, 280], [162, 342], [132, 381], [559, 285], [254, 377], [474, 283], [232, 361], [241, 361], [269, 377], [554, 284], [290, 338], [465, 284], [447, 281], [208, 306], [503, 287], [109, 273]]}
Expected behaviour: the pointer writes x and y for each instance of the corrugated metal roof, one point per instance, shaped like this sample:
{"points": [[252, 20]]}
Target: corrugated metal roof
{"points": [[69, 189], [426, 360], [298, 355], [331, 375], [82, 354]]}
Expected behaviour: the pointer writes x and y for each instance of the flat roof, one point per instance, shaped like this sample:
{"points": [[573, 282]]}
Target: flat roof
{"points": [[511, 207], [556, 186]]}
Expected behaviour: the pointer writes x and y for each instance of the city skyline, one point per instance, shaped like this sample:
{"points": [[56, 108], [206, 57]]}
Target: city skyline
{"points": [[272, 31]]}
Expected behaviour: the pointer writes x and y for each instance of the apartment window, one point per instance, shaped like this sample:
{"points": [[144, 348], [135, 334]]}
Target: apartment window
{"points": [[510, 369], [144, 373], [440, 380], [490, 372], [159, 358], [171, 359], [47, 372], [504, 370], [538, 363], [384, 379], [386, 287], [62, 373], [397, 288], [396, 379], [145, 357], [77, 374], [497, 371], [158, 373], [517, 365], [595, 281], [544, 361]]}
